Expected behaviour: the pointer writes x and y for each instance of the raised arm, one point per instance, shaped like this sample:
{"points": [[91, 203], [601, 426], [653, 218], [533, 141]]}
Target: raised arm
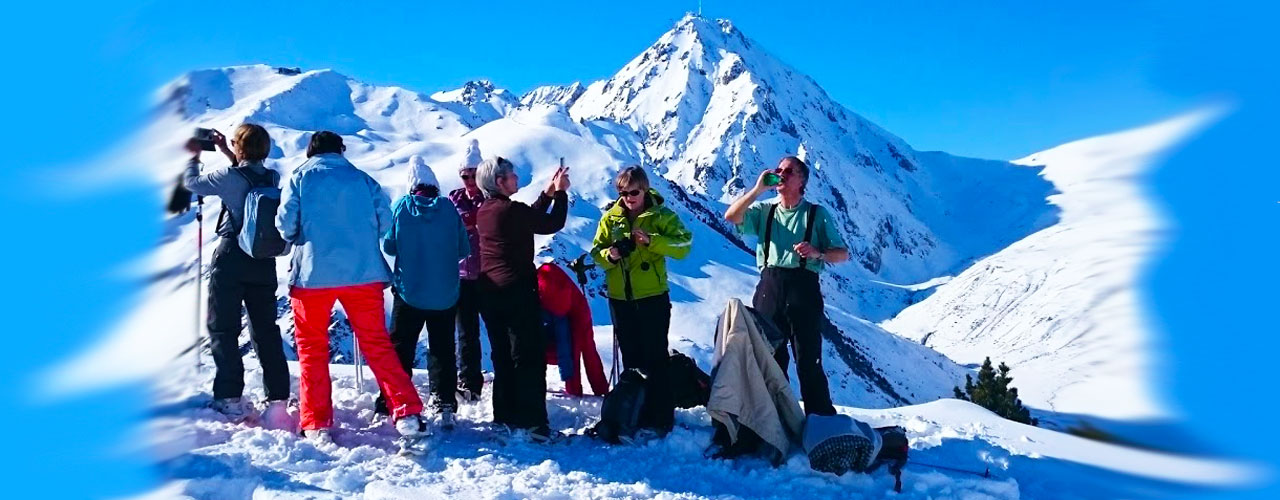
{"points": [[549, 223], [738, 209]]}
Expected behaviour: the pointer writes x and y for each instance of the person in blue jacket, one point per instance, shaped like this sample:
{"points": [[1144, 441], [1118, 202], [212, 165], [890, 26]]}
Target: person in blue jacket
{"points": [[427, 239]]}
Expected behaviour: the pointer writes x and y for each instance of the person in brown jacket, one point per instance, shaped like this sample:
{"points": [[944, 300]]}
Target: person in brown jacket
{"points": [[508, 288]]}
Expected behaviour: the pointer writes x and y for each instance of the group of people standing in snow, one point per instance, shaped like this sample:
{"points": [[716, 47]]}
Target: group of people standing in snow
{"points": [[468, 256]]}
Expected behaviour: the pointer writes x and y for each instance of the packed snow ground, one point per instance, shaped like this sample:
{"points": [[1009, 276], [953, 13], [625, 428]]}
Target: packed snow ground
{"points": [[206, 457]]}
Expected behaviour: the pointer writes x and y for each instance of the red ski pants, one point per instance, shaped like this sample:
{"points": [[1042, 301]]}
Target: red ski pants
{"points": [[312, 308]]}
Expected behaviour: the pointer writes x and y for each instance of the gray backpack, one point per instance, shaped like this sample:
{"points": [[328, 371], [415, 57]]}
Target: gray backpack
{"points": [[258, 235]]}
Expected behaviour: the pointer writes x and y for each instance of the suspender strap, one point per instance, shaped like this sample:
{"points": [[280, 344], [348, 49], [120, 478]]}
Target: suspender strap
{"points": [[808, 230], [768, 233]]}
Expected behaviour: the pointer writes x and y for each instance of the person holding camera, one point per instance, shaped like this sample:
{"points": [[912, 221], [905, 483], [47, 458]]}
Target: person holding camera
{"points": [[509, 292], [797, 239], [334, 214], [237, 279], [635, 237]]}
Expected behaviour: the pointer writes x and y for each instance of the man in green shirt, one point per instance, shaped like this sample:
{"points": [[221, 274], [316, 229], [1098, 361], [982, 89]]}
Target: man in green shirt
{"points": [[796, 240]]}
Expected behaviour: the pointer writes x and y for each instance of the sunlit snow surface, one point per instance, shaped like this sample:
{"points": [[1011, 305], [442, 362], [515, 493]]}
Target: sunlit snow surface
{"points": [[206, 457]]}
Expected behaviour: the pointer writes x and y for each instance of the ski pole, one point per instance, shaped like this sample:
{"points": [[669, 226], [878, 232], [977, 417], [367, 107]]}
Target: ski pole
{"points": [[199, 271], [984, 474], [355, 348]]}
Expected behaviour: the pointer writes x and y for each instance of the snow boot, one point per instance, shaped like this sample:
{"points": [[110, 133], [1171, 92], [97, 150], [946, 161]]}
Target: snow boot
{"points": [[411, 426], [320, 437], [232, 408], [413, 435], [276, 415]]}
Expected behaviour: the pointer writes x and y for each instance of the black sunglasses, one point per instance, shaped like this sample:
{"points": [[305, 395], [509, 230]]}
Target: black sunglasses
{"points": [[634, 192], [466, 177]]}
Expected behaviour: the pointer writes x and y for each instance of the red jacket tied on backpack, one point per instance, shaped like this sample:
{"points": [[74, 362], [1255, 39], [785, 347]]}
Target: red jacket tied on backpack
{"points": [[560, 297]]}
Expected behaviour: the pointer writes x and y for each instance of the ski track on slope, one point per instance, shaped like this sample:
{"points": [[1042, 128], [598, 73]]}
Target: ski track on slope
{"points": [[206, 457]]}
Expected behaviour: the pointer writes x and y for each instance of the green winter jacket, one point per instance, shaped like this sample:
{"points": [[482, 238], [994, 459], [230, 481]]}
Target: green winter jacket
{"points": [[643, 273]]}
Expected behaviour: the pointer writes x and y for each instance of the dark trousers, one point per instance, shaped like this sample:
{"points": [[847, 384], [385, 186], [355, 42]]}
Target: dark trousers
{"points": [[641, 326], [406, 327], [792, 299], [239, 280], [469, 337], [513, 317]]}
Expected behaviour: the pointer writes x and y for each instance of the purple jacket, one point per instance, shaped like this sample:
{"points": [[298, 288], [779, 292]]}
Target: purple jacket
{"points": [[468, 206]]}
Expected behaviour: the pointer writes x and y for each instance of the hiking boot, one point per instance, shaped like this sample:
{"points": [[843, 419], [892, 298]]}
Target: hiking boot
{"points": [[447, 419], [466, 395], [232, 408], [540, 434], [411, 426]]}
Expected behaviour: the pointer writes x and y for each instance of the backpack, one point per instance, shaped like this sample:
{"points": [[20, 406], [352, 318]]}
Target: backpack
{"points": [[690, 386], [620, 412], [893, 453], [258, 235], [839, 444]]}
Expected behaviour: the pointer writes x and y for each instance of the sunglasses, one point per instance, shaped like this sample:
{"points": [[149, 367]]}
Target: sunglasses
{"points": [[466, 177], [634, 192]]}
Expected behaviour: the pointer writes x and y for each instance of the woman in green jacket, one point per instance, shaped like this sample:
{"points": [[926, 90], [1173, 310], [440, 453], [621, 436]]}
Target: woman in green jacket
{"points": [[635, 237]]}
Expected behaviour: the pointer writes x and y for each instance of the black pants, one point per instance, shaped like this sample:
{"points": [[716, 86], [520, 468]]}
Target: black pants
{"points": [[513, 317], [641, 326], [237, 279], [469, 337], [406, 327], [792, 299]]}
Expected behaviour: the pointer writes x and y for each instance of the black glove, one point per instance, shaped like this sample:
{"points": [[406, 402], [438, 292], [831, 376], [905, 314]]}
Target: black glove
{"points": [[624, 246]]}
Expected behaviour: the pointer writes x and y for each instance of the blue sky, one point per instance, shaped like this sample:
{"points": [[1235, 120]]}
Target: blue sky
{"points": [[987, 79], [997, 80]]}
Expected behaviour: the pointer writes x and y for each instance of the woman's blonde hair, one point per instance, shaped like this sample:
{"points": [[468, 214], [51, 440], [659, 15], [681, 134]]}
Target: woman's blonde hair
{"points": [[251, 142]]}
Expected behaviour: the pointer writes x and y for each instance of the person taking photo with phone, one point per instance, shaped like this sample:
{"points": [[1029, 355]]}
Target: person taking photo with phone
{"points": [[509, 292]]}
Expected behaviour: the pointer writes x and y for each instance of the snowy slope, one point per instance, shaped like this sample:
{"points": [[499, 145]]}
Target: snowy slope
{"points": [[1062, 306], [206, 457]]}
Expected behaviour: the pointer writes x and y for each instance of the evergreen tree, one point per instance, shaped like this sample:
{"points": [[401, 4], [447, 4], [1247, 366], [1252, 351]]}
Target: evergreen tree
{"points": [[993, 392]]}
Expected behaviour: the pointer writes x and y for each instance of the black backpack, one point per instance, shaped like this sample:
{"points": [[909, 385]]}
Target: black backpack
{"points": [[690, 386], [893, 453], [620, 412]]}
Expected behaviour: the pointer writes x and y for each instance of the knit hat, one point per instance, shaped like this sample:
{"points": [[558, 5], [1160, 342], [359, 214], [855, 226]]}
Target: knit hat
{"points": [[420, 173], [472, 158]]}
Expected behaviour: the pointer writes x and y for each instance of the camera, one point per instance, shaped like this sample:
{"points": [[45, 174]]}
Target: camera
{"points": [[205, 137], [624, 246]]}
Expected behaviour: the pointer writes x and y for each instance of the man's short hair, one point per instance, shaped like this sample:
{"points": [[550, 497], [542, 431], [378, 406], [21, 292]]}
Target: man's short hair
{"points": [[323, 142]]}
